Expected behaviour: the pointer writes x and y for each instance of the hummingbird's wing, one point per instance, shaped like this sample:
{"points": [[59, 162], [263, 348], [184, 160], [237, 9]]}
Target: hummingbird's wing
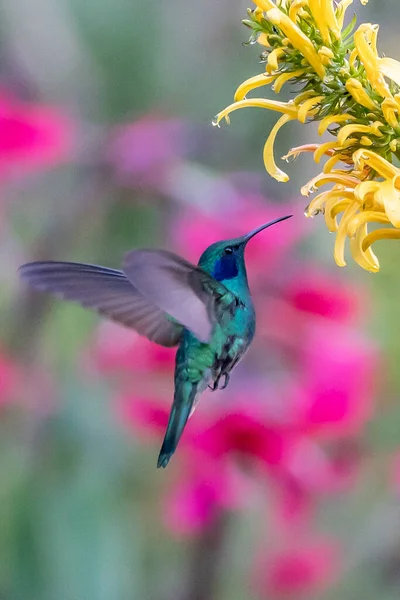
{"points": [[108, 292], [181, 289]]}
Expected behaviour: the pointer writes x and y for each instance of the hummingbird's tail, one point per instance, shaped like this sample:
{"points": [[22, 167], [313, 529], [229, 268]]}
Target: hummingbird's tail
{"points": [[185, 395]]}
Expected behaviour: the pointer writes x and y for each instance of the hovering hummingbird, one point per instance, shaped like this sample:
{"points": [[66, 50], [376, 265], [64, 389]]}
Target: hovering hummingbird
{"points": [[205, 310]]}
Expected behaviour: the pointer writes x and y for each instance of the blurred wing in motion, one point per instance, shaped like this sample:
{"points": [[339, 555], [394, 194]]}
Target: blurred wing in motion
{"points": [[181, 289], [108, 292]]}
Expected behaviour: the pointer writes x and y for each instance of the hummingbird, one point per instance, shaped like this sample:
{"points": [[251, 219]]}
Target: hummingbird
{"points": [[205, 309]]}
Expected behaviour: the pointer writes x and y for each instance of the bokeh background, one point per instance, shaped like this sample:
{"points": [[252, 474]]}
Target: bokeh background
{"points": [[285, 485]]}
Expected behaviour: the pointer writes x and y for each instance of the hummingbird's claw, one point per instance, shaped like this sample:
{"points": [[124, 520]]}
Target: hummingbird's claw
{"points": [[215, 385], [227, 376]]}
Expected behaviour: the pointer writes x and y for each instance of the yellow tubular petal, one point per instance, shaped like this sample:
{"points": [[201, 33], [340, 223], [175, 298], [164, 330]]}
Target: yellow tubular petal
{"points": [[282, 79], [380, 234], [307, 107], [333, 207], [303, 96], [364, 40], [294, 152], [322, 25], [268, 153], [251, 84], [298, 39], [365, 258], [353, 57], [316, 205], [330, 163], [323, 148], [390, 68], [323, 179], [389, 196], [263, 40], [356, 90], [365, 188], [295, 7], [338, 252], [364, 217], [283, 107], [347, 130], [390, 109], [341, 10], [366, 141], [365, 157], [326, 55], [264, 4], [330, 18], [330, 119], [273, 57]]}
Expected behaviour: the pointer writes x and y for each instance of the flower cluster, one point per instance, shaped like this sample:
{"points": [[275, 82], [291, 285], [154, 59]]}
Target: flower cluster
{"points": [[354, 94]]}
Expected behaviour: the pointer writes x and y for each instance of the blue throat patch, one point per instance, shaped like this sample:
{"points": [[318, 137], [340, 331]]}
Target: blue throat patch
{"points": [[225, 268]]}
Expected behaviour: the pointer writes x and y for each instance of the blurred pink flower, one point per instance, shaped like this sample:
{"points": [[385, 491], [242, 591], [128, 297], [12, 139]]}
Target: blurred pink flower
{"points": [[33, 136], [316, 293], [119, 348], [192, 231], [215, 433], [305, 298], [147, 417], [331, 400], [201, 493], [337, 376], [304, 567], [8, 379], [142, 152]]}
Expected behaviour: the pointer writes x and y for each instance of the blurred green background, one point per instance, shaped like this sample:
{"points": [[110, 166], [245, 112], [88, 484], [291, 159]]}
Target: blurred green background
{"points": [[80, 498]]}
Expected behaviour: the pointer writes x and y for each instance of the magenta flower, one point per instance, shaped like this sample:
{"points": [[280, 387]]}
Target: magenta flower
{"points": [[33, 136]]}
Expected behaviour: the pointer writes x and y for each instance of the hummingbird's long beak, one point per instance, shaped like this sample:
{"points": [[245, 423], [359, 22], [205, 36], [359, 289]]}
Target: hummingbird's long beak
{"points": [[255, 231]]}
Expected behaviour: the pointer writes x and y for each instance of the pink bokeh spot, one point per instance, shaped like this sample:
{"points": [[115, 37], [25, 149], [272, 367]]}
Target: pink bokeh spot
{"points": [[321, 294], [119, 348], [142, 152], [147, 417], [33, 136], [193, 231], [239, 433], [9, 378], [338, 381], [305, 567], [204, 490]]}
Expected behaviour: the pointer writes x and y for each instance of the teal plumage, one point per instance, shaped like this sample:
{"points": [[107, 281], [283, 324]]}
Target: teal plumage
{"points": [[197, 363], [206, 310]]}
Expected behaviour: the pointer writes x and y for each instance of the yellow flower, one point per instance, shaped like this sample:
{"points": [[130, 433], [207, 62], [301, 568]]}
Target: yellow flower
{"points": [[354, 94]]}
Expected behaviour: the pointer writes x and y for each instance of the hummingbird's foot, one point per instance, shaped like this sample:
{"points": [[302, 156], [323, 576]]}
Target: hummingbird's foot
{"points": [[227, 376], [214, 386]]}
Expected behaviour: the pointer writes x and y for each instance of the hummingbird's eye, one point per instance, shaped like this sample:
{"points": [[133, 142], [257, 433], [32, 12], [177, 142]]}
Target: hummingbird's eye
{"points": [[229, 250]]}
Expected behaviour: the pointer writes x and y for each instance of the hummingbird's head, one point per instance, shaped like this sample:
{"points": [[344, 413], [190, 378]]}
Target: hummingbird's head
{"points": [[224, 260]]}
